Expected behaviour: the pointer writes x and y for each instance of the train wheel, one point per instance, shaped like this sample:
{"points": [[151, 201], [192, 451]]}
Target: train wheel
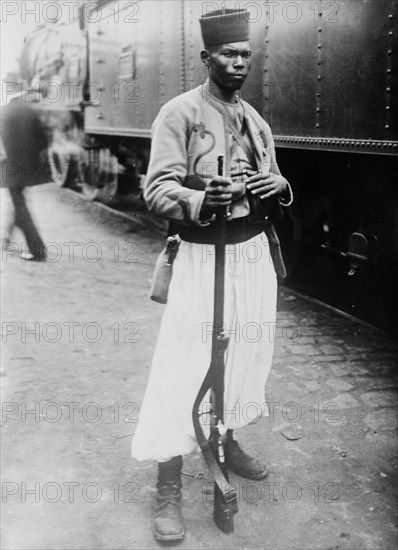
{"points": [[58, 165], [109, 168], [102, 181], [89, 191]]}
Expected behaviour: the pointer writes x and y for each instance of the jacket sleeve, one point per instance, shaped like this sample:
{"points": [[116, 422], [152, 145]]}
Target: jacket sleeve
{"points": [[286, 199], [164, 189]]}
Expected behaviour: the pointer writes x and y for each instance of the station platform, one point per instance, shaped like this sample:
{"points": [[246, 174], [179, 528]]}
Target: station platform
{"points": [[78, 333]]}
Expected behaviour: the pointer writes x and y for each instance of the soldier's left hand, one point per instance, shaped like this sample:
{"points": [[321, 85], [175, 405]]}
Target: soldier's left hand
{"points": [[266, 184]]}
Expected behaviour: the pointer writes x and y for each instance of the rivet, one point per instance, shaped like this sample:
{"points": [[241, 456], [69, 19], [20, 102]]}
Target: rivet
{"points": [[387, 108], [388, 90], [319, 77], [389, 52], [390, 16], [317, 109], [317, 125], [319, 30], [319, 46], [318, 94], [388, 71], [387, 126], [319, 62], [390, 33]]}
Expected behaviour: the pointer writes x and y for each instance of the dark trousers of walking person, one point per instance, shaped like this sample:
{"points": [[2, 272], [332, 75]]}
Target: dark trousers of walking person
{"points": [[23, 220]]}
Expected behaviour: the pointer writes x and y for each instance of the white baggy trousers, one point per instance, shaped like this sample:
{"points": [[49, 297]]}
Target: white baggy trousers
{"points": [[183, 350]]}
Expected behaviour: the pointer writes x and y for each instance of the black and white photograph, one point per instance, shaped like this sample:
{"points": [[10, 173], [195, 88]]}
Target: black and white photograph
{"points": [[199, 274]]}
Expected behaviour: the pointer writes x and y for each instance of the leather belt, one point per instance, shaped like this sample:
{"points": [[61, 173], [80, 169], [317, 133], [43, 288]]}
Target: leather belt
{"points": [[237, 231]]}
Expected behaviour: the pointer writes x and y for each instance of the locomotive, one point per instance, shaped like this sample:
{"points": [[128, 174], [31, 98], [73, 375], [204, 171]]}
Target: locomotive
{"points": [[324, 76]]}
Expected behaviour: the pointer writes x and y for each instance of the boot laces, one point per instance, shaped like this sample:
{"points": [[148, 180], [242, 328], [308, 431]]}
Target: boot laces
{"points": [[168, 493]]}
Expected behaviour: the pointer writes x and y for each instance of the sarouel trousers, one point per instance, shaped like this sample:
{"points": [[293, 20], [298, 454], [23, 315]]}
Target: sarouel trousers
{"points": [[183, 350]]}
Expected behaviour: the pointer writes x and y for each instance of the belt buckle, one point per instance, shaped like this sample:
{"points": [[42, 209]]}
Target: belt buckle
{"points": [[229, 496]]}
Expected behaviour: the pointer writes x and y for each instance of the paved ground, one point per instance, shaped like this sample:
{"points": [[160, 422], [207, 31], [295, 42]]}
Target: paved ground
{"points": [[78, 334]]}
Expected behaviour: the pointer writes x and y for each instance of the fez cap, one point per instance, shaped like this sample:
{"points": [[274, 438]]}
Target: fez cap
{"points": [[225, 26]]}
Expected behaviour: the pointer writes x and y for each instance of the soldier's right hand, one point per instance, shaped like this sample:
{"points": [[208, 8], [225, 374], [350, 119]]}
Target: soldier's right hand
{"points": [[218, 194]]}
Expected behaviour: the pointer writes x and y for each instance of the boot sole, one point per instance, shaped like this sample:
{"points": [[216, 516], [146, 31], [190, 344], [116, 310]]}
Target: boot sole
{"points": [[166, 538], [257, 477]]}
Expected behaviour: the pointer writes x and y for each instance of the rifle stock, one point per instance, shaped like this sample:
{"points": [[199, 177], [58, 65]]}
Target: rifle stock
{"points": [[225, 505]]}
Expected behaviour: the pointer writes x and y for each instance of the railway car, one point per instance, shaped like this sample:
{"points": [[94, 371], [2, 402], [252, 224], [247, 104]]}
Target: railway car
{"points": [[324, 75]]}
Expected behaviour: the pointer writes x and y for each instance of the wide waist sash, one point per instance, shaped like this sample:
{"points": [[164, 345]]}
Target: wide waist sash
{"points": [[238, 230]]}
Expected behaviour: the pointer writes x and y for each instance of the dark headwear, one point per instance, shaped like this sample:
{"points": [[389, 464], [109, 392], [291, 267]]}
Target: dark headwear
{"points": [[225, 26]]}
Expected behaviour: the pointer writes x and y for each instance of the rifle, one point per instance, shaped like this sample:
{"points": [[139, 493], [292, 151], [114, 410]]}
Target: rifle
{"points": [[225, 505]]}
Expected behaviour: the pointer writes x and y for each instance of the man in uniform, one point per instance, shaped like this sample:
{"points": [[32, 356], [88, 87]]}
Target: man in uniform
{"points": [[182, 185]]}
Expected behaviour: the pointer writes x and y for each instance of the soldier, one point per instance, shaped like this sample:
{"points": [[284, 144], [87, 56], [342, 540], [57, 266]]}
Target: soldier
{"points": [[182, 185]]}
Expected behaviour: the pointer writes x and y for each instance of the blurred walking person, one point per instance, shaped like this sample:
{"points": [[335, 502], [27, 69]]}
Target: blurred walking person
{"points": [[24, 141]]}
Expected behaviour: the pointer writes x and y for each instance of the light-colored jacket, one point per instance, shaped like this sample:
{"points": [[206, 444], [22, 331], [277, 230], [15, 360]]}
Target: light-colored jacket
{"points": [[188, 135]]}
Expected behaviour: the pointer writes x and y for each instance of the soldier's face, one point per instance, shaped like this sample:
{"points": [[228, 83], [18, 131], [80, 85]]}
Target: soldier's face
{"points": [[229, 64]]}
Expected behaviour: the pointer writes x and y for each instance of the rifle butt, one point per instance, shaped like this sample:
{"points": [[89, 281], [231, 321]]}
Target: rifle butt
{"points": [[225, 503], [224, 511]]}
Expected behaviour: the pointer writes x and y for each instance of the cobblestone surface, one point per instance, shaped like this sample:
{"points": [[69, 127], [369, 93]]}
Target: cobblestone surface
{"points": [[78, 335]]}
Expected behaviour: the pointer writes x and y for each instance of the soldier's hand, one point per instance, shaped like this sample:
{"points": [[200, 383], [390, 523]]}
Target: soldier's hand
{"points": [[218, 194], [266, 184]]}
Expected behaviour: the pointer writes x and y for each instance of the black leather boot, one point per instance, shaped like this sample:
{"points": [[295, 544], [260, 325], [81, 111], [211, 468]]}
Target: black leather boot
{"points": [[240, 463], [168, 522]]}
